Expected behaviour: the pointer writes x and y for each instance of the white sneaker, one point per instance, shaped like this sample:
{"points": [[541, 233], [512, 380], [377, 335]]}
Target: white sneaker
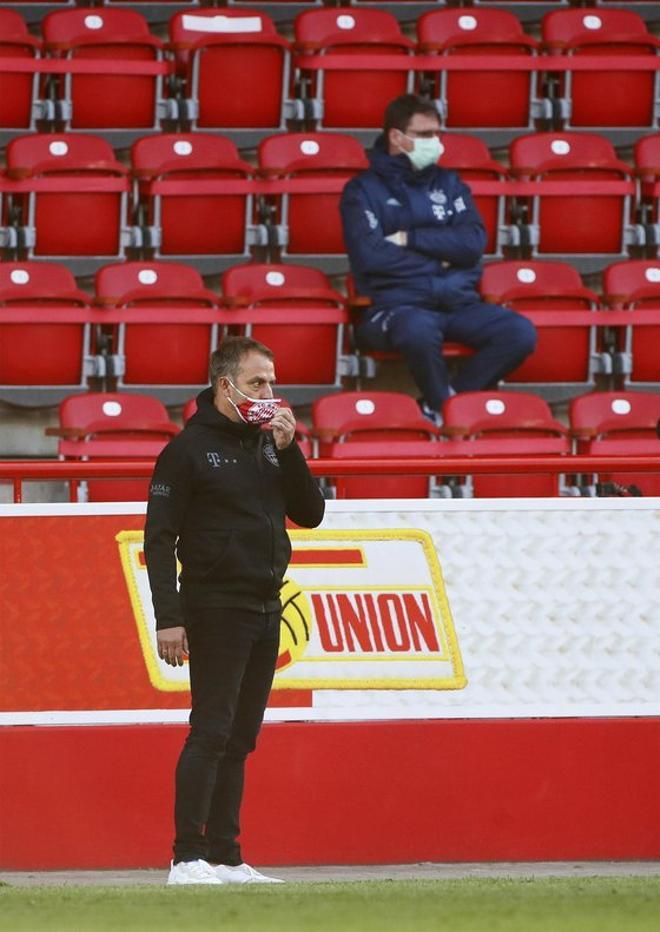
{"points": [[186, 872], [242, 873]]}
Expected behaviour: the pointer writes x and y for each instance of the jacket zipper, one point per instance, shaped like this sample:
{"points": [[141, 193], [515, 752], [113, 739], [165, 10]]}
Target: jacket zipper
{"points": [[259, 454]]}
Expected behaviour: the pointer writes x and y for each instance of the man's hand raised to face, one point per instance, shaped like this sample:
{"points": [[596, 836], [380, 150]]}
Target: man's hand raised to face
{"points": [[283, 426]]}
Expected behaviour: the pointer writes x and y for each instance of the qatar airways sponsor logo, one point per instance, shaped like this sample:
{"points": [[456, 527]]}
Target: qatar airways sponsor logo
{"points": [[360, 610]]}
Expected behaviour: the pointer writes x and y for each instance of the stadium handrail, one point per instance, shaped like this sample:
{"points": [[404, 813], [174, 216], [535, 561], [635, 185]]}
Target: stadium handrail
{"points": [[174, 187], [156, 314], [336, 61], [19, 471], [102, 66]]}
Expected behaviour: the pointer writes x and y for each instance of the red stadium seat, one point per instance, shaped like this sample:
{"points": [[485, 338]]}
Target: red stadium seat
{"points": [[618, 424], [647, 164], [235, 67], [307, 355], [607, 97], [568, 355], [504, 424], [373, 425], [575, 223], [310, 224], [479, 99], [355, 98], [159, 356], [189, 409], [180, 202], [369, 415], [381, 485], [18, 92], [28, 373], [105, 101], [635, 284], [75, 195], [105, 426], [469, 156]]}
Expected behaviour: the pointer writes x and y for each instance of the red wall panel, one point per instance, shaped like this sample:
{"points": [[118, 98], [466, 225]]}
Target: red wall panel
{"points": [[383, 792]]}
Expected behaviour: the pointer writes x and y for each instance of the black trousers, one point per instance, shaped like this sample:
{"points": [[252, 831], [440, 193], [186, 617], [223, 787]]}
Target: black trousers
{"points": [[232, 663]]}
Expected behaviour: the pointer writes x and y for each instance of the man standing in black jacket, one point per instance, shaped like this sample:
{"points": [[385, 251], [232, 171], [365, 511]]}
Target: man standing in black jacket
{"points": [[220, 493]]}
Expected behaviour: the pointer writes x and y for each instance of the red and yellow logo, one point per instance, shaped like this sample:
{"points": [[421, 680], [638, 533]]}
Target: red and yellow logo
{"points": [[360, 610]]}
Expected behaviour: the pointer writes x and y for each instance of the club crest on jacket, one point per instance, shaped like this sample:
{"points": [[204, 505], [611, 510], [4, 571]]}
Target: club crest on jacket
{"points": [[270, 452]]}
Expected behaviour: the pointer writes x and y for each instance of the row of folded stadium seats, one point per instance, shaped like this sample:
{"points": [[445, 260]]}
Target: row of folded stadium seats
{"points": [[59, 4], [377, 425], [102, 68], [152, 325], [191, 195]]}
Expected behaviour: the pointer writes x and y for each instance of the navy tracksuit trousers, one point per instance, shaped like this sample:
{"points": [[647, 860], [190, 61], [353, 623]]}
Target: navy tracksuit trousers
{"points": [[502, 340]]}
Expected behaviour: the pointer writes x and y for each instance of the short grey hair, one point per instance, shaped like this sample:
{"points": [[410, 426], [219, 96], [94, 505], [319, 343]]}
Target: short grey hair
{"points": [[226, 360]]}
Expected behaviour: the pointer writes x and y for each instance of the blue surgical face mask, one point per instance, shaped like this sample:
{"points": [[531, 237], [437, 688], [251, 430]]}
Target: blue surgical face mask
{"points": [[425, 152]]}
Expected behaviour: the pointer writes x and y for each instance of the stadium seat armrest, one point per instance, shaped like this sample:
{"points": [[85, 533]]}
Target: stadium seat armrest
{"points": [[139, 426], [557, 426], [179, 46], [106, 301], [325, 434], [235, 301], [641, 294], [453, 431], [425, 47], [648, 171], [582, 433], [306, 47], [359, 301], [623, 38], [81, 41]]}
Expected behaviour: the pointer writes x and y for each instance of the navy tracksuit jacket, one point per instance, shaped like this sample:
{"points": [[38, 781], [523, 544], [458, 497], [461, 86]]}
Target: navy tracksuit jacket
{"points": [[425, 292]]}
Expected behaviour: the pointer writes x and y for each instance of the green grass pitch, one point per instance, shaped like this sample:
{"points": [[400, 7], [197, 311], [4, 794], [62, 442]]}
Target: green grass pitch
{"points": [[596, 904]]}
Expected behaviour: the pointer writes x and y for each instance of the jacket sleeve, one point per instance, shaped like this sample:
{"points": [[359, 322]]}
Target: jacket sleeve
{"points": [[168, 497], [304, 502], [461, 241], [367, 248]]}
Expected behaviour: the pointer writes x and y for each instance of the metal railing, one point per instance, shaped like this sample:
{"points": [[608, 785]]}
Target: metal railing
{"points": [[17, 472]]}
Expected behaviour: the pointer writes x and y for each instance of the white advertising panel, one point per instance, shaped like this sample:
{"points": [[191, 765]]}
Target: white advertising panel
{"points": [[429, 609]]}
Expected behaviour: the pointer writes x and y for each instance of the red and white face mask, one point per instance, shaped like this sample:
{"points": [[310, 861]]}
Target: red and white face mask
{"points": [[255, 410]]}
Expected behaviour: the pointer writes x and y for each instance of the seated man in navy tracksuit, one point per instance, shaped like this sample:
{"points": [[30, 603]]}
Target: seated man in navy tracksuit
{"points": [[415, 241]]}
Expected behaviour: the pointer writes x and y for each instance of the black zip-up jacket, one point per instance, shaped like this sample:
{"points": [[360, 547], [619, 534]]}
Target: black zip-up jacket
{"points": [[218, 500]]}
